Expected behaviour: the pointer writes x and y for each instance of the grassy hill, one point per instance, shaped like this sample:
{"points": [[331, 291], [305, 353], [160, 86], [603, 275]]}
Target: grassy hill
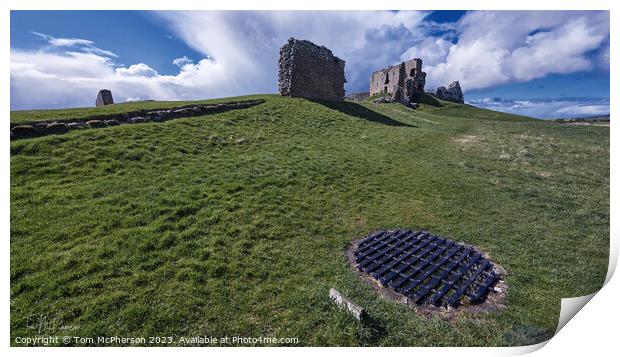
{"points": [[237, 223]]}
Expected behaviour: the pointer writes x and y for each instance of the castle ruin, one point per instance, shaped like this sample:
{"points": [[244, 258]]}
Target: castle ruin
{"points": [[310, 71], [402, 82]]}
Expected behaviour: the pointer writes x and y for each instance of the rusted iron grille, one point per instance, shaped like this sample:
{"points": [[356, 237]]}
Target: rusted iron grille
{"points": [[426, 268]]}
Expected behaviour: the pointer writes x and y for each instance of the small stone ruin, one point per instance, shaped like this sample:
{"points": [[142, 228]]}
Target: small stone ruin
{"points": [[310, 71], [453, 93], [104, 97]]}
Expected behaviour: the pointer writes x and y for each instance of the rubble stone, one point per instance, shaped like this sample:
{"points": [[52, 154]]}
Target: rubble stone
{"points": [[138, 120], [56, 128], [23, 130], [95, 123]]}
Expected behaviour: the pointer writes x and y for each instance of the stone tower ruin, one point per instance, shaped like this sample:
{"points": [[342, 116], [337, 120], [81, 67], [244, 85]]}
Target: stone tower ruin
{"points": [[401, 81], [104, 97], [310, 71]]}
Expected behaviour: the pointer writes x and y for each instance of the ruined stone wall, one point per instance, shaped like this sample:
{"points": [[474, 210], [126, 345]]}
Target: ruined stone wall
{"points": [[383, 81], [390, 79], [413, 69], [378, 83], [310, 71], [453, 93]]}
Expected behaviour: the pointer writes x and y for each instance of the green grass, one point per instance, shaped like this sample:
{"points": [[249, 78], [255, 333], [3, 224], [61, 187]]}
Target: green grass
{"points": [[433, 105], [237, 223]]}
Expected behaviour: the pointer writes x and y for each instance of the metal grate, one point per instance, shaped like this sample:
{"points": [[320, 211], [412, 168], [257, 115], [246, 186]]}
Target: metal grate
{"points": [[426, 268]]}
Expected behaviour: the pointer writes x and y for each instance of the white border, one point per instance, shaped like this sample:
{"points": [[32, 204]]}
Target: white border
{"points": [[591, 331]]}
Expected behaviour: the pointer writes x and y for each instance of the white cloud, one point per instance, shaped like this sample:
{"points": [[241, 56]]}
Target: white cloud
{"points": [[63, 42], [498, 47], [182, 61], [548, 108], [137, 70], [431, 50], [57, 66], [98, 51], [55, 80], [603, 58], [87, 46], [579, 110]]}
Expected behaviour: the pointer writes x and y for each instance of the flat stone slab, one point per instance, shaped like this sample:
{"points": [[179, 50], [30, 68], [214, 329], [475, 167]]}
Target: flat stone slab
{"points": [[357, 311]]}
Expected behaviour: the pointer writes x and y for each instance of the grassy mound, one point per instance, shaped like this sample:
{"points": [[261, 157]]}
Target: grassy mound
{"points": [[237, 223], [22, 117]]}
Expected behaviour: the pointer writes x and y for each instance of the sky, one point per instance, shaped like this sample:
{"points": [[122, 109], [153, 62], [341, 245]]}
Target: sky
{"points": [[546, 64]]}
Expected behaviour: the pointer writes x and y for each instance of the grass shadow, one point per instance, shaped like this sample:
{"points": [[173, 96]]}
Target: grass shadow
{"points": [[372, 330], [425, 98], [361, 112]]}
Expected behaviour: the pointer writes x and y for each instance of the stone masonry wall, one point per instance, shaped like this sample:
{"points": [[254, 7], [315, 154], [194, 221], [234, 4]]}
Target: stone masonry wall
{"points": [[310, 71], [390, 79], [453, 93]]}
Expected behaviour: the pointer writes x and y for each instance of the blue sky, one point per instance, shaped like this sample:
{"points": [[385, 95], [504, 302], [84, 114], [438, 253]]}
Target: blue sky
{"points": [[539, 63]]}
